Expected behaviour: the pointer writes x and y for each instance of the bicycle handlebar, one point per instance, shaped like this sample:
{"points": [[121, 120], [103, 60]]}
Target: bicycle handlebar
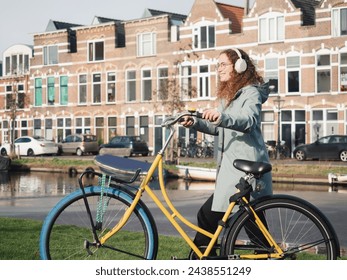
{"points": [[174, 119]]}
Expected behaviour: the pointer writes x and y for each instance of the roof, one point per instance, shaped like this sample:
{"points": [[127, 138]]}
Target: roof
{"points": [[54, 25], [234, 13], [99, 20], [176, 19]]}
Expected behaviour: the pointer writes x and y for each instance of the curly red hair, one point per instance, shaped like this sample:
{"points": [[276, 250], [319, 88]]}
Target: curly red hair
{"points": [[227, 90]]}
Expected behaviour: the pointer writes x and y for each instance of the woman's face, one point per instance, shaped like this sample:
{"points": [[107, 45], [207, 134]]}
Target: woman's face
{"points": [[224, 68]]}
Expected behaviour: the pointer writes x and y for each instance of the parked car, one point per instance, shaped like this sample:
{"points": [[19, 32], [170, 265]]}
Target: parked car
{"points": [[328, 147], [79, 144], [30, 146], [135, 144]]}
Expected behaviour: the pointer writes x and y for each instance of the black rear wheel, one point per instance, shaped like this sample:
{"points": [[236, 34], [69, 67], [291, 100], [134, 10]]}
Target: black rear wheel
{"points": [[298, 227]]}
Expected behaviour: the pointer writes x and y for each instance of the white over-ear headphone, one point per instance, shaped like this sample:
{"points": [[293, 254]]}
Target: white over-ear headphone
{"points": [[240, 65]]}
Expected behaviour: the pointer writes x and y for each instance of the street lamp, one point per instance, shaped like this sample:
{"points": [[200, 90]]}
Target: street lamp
{"points": [[279, 104]]}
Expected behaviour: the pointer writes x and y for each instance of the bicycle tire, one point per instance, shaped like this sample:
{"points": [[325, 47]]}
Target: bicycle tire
{"points": [[301, 230], [67, 232]]}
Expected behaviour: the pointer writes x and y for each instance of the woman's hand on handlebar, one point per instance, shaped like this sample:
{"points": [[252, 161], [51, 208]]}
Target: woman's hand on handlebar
{"points": [[187, 121], [211, 115]]}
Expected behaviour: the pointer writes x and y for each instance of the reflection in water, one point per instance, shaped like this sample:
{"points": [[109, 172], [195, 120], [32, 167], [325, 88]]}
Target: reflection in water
{"points": [[20, 184], [25, 184]]}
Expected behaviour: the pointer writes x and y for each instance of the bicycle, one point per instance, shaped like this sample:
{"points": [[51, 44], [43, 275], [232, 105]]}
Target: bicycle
{"points": [[110, 221]]}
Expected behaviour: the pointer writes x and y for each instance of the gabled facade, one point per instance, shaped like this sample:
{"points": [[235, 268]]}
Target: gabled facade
{"points": [[116, 77]]}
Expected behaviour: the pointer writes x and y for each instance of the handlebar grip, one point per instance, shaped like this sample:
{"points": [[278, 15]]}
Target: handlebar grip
{"points": [[199, 115]]}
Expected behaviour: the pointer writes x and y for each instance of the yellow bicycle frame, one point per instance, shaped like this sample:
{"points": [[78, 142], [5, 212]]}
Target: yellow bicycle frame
{"points": [[174, 214]]}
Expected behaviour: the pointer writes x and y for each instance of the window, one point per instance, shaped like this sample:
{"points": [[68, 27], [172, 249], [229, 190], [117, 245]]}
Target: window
{"points": [[38, 92], [112, 127], [96, 88], [324, 122], [339, 22], [83, 125], [16, 64], [130, 126], [343, 71], [99, 128], [63, 90], [50, 55], [204, 81], [64, 128], [271, 73], [323, 72], [186, 82], [146, 44], [96, 51], [144, 128], [37, 127], [50, 91], [20, 96], [293, 74], [204, 37], [267, 125], [271, 28], [111, 87], [82, 89], [163, 90], [146, 85], [131, 85]]}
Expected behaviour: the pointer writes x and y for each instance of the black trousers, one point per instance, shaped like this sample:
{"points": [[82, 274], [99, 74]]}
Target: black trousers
{"points": [[208, 220]]}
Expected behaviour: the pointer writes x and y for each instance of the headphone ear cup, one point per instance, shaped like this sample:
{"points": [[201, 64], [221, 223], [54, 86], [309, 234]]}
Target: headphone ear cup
{"points": [[240, 65]]}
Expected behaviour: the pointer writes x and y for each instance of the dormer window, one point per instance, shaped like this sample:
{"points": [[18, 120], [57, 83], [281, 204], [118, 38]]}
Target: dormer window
{"points": [[271, 28], [146, 44], [339, 22], [204, 37], [50, 55], [96, 51]]}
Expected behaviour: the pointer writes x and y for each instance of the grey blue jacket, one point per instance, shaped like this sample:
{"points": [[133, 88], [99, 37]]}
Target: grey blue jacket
{"points": [[239, 137]]}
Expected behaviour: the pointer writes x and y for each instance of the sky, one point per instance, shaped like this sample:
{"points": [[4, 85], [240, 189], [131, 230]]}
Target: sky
{"points": [[20, 19]]}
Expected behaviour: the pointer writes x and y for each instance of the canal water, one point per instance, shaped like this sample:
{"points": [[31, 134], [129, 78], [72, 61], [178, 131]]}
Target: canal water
{"points": [[28, 184]]}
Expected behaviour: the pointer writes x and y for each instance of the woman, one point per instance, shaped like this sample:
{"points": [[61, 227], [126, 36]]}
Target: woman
{"points": [[236, 121]]}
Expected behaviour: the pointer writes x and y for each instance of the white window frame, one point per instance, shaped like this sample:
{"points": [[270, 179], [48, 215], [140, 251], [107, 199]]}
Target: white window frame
{"points": [[269, 72], [144, 84], [162, 80], [111, 86], [84, 84], [322, 68], [197, 35], [99, 84], [186, 81], [146, 44], [204, 81], [127, 81], [48, 57], [91, 47], [336, 22], [293, 68], [343, 67], [271, 27]]}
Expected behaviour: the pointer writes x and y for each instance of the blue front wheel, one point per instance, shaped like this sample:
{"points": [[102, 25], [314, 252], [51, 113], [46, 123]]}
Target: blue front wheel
{"points": [[71, 231]]}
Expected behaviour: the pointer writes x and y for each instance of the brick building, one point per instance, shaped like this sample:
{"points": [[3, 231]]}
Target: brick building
{"points": [[124, 76]]}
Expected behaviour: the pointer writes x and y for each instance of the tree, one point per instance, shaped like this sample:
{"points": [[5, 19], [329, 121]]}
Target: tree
{"points": [[170, 92], [15, 100]]}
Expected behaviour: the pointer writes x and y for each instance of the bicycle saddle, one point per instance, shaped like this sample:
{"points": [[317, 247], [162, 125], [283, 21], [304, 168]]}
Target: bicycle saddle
{"points": [[256, 168]]}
